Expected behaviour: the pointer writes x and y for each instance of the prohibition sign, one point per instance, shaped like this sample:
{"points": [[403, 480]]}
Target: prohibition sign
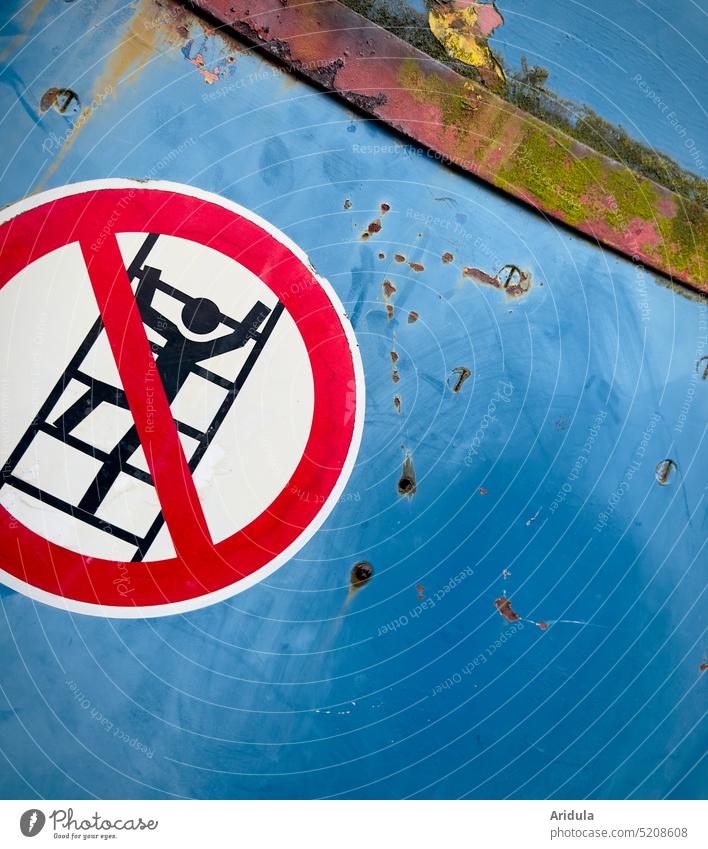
{"points": [[229, 374]]}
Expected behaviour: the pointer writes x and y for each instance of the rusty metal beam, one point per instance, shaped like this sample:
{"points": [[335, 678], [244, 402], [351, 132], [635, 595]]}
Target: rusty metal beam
{"points": [[467, 125]]}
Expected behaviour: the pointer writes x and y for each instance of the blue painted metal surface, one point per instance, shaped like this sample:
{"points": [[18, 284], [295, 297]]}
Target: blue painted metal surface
{"points": [[578, 390]]}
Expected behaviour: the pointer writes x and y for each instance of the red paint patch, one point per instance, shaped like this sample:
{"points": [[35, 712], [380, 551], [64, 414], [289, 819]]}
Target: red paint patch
{"points": [[644, 233]]}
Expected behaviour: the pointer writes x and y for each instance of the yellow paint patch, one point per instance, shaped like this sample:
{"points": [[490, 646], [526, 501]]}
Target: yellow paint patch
{"points": [[459, 33]]}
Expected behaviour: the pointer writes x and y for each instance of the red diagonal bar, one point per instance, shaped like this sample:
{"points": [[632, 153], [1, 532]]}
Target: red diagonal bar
{"points": [[147, 400]]}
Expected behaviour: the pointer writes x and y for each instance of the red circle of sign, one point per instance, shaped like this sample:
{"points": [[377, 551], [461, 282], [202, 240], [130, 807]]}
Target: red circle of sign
{"points": [[93, 218]]}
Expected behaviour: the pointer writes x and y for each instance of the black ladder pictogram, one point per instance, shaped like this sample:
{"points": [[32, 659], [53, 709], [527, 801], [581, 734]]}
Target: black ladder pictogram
{"points": [[175, 359]]}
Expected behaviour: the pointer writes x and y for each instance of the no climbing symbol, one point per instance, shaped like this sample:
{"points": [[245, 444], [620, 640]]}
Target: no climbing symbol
{"points": [[193, 378]]}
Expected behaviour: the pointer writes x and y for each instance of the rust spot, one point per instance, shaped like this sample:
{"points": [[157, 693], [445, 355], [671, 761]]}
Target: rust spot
{"points": [[504, 607], [388, 291], [397, 403], [413, 317], [385, 207], [394, 357], [60, 99], [509, 277], [542, 625], [702, 367], [483, 491], [506, 574], [447, 257], [420, 589], [347, 204], [406, 483], [417, 266], [399, 257], [480, 276], [703, 666], [382, 255], [664, 470], [374, 227], [361, 574], [395, 376], [457, 377]]}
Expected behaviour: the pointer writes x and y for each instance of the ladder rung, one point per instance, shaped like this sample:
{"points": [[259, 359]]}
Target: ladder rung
{"points": [[213, 378], [85, 516], [91, 450]]}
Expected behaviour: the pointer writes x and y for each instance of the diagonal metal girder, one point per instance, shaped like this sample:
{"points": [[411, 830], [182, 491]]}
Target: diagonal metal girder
{"points": [[476, 130]]}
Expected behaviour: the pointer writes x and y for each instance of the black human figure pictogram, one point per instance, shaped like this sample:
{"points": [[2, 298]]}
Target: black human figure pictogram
{"points": [[176, 358]]}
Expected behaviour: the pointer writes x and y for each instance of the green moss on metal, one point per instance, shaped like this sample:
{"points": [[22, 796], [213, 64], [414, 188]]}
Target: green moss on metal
{"points": [[456, 107], [544, 167], [686, 239], [633, 197], [526, 89], [539, 157]]}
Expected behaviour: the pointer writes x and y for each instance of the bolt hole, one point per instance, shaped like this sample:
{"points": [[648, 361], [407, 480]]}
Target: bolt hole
{"points": [[361, 573], [664, 471], [457, 377], [405, 485], [60, 99]]}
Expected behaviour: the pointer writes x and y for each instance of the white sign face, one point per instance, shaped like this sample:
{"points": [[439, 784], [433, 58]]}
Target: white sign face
{"points": [[175, 377]]}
